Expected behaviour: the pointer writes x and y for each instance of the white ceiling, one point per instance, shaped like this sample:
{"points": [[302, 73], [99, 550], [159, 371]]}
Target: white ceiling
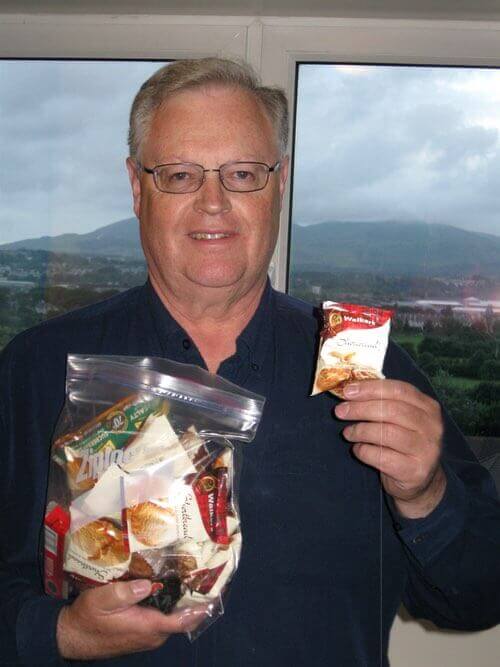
{"points": [[418, 9]]}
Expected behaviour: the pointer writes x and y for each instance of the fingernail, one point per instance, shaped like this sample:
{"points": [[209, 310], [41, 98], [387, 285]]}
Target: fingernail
{"points": [[192, 617], [157, 586], [342, 410], [140, 587], [351, 389]]}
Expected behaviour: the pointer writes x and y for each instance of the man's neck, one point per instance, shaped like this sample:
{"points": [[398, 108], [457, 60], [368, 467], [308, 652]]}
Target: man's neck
{"points": [[213, 319]]}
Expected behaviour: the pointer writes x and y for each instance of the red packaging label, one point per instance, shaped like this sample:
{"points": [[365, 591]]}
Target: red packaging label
{"points": [[205, 491], [341, 316], [56, 526], [221, 535], [204, 580]]}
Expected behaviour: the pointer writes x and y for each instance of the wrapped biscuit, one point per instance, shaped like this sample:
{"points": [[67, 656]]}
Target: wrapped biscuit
{"points": [[142, 481], [353, 344]]}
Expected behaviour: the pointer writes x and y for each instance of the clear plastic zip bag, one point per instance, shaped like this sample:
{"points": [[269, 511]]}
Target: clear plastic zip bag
{"points": [[143, 481]]}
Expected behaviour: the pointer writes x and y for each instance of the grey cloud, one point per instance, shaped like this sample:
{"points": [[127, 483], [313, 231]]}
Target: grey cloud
{"points": [[63, 140], [395, 143]]}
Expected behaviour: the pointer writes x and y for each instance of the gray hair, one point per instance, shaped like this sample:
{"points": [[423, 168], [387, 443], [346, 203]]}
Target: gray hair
{"points": [[188, 74]]}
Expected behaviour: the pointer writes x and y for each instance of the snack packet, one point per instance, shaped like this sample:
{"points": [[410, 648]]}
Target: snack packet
{"points": [[352, 347], [143, 481]]}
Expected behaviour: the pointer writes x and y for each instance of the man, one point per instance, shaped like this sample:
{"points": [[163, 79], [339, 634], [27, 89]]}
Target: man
{"points": [[330, 546]]}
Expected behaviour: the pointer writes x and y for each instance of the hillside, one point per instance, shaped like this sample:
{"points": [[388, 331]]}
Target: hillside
{"points": [[395, 248], [119, 239], [392, 248]]}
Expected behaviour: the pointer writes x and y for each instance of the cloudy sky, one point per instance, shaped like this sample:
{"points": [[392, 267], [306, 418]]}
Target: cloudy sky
{"points": [[398, 143], [374, 143], [64, 142]]}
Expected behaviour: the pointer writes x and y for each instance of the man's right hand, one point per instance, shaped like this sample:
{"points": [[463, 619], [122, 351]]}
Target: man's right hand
{"points": [[106, 622]]}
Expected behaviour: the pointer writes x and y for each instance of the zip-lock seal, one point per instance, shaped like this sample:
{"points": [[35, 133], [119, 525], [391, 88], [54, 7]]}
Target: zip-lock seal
{"points": [[237, 410]]}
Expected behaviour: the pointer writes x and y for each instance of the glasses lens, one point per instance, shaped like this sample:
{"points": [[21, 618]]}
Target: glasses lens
{"points": [[244, 176], [179, 178]]}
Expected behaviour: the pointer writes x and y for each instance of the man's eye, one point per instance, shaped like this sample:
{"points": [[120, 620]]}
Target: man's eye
{"points": [[180, 176], [242, 175]]}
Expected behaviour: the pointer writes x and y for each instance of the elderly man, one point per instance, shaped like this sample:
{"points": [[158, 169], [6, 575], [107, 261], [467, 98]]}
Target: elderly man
{"points": [[333, 542]]}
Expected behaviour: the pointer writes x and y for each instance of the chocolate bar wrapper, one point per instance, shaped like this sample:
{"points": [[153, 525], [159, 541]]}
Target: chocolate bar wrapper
{"points": [[86, 453]]}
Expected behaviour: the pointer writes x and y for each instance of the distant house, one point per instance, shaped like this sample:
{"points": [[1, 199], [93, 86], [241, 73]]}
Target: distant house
{"points": [[468, 310], [436, 304]]}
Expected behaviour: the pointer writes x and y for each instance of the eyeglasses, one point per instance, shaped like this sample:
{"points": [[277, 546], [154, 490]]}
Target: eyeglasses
{"points": [[185, 177]]}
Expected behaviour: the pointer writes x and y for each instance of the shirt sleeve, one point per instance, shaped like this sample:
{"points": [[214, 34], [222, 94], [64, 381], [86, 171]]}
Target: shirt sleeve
{"points": [[28, 617], [453, 554]]}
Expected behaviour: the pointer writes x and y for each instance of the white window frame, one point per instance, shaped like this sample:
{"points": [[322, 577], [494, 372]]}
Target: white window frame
{"points": [[273, 45]]}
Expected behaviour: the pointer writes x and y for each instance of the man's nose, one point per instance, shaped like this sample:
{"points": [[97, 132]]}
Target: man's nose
{"points": [[212, 197]]}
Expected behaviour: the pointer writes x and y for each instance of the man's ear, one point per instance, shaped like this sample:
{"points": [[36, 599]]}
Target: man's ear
{"points": [[135, 184], [283, 175]]}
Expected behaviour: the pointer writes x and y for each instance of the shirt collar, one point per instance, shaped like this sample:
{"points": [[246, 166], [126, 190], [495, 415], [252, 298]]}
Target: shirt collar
{"points": [[251, 343], [256, 336], [165, 324]]}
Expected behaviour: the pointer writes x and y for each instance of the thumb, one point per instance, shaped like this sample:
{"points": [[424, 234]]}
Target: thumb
{"points": [[120, 595]]}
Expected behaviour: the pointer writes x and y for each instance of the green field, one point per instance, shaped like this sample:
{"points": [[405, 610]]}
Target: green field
{"points": [[416, 338]]}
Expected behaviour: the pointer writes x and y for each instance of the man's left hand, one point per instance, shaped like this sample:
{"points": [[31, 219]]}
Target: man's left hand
{"points": [[398, 430]]}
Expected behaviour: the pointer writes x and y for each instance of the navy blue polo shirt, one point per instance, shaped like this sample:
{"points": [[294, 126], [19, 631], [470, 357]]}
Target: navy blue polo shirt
{"points": [[326, 561]]}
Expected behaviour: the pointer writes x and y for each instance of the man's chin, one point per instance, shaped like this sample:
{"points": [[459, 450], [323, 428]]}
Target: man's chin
{"points": [[217, 279]]}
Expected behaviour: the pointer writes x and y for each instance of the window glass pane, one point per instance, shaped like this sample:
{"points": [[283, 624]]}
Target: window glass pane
{"points": [[396, 202], [63, 182]]}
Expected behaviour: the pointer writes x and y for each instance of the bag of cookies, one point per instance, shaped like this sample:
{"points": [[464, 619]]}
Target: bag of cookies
{"points": [[143, 481], [353, 343]]}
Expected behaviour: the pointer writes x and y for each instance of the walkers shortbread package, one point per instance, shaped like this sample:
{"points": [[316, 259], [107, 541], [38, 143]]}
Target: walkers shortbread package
{"points": [[353, 344]]}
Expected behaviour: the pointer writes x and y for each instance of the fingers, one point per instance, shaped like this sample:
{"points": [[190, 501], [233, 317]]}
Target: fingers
{"points": [[390, 411], [394, 464], [391, 390], [385, 435], [394, 402], [106, 622], [185, 620], [120, 595], [398, 430], [403, 477]]}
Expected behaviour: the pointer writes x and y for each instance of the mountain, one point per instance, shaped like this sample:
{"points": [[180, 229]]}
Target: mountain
{"points": [[375, 247], [118, 239], [395, 248]]}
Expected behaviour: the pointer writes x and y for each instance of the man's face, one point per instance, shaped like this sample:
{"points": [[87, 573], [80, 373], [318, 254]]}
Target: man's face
{"points": [[209, 126]]}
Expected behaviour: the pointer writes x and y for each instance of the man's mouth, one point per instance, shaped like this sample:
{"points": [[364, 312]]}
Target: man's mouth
{"points": [[203, 236]]}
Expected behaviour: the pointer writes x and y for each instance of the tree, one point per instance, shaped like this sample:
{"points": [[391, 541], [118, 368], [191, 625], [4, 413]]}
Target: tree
{"points": [[487, 392], [428, 363], [489, 370], [475, 363]]}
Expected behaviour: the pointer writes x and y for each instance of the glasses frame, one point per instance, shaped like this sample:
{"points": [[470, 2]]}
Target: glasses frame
{"points": [[154, 171]]}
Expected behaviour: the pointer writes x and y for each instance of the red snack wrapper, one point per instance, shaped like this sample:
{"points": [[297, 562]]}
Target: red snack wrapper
{"points": [[353, 344], [221, 535], [56, 526]]}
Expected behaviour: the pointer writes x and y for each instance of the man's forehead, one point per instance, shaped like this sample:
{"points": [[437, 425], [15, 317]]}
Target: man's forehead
{"points": [[196, 115], [212, 98]]}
